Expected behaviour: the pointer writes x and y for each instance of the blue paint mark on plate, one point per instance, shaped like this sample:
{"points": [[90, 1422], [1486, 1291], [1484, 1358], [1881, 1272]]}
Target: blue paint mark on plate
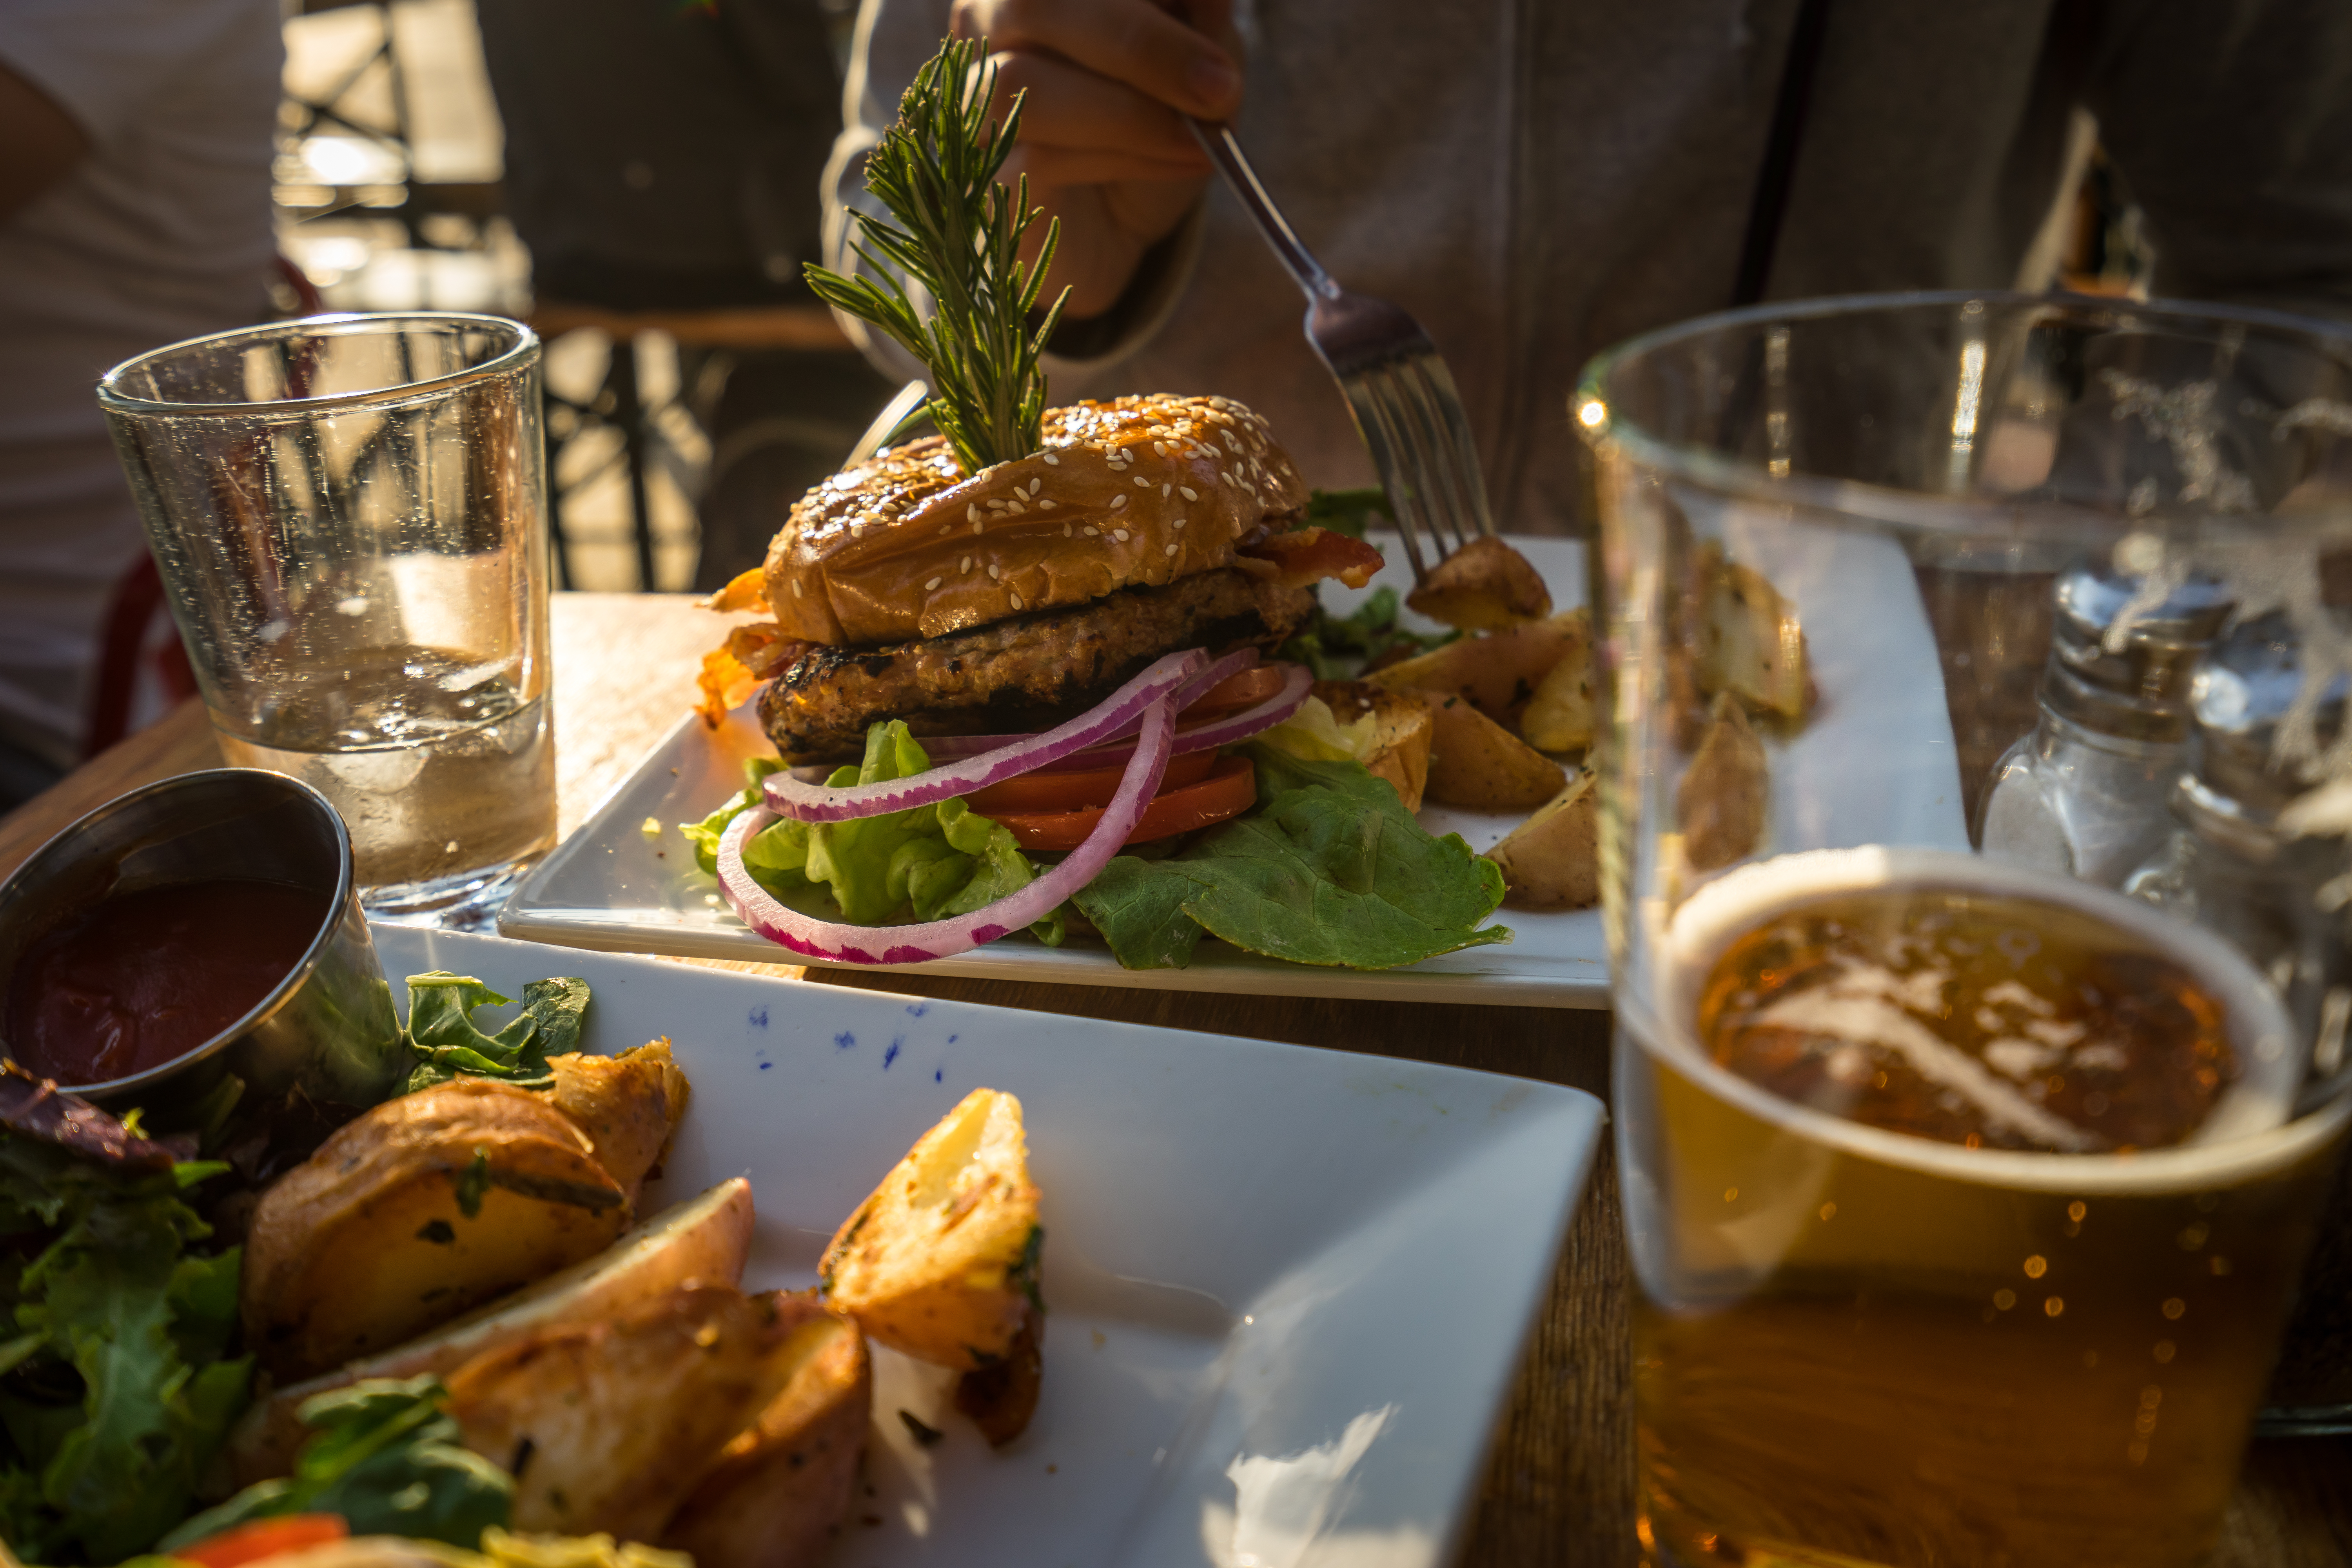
{"points": [[892, 1053], [844, 1040], [765, 1066], [939, 1075], [918, 1009], [759, 1016], [952, 1039]]}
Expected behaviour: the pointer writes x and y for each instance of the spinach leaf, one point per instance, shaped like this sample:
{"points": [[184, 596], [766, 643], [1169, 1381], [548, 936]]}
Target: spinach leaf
{"points": [[1330, 869], [1336, 646], [445, 1042], [386, 1457], [1346, 512]]}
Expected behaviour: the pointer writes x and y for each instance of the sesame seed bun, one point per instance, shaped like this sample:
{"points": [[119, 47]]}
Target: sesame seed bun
{"points": [[1135, 492]]}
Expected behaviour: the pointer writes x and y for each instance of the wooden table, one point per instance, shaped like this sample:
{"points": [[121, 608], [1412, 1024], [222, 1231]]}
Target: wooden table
{"points": [[1559, 1481]]}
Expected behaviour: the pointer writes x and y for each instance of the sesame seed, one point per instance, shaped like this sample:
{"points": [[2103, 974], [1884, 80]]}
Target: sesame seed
{"points": [[796, 587], [1093, 532], [1163, 490], [971, 515], [1051, 462], [1036, 484], [967, 564], [995, 573], [1161, 448], [1142, 483], [1045, 505], [1066, 531], [1117, 502], [932, 587], [1118, 533], [978, 526], [1170, 551], [947, 528], [1014, 506], [1187, 492], [1180, 523], [1016, 601]]}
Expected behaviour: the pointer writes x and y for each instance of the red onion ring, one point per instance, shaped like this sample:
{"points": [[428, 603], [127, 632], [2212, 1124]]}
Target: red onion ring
{"points": [[1107, 751], [841, 943], [788, 797], [1297, 683]]}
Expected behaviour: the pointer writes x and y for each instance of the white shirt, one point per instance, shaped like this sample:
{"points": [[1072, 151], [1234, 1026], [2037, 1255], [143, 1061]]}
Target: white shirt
{"points": [[162, 232]]}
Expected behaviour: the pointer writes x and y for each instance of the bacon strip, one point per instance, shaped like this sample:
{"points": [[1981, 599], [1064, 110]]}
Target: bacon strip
{"points": [[1308, 555], [754, 651]]}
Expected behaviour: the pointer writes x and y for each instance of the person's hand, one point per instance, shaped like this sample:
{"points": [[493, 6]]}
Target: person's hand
{"points": [[1103, 138]]}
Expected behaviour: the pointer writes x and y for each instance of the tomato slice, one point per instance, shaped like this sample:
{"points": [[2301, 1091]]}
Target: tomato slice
{"points": [[1235, 692], [1230, 789], [265, 1538], [1068, 791]]}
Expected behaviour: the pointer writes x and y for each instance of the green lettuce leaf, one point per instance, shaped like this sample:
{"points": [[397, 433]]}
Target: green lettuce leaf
{"points": [[386, 1457], [927, 863], [442, 1037], [1330, 869], [1336, 646], [118, 1399], [705, 835]]}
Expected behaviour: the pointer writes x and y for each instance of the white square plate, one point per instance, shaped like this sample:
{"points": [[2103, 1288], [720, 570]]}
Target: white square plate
{"points": [[1288, 1288], [1873, 656]]}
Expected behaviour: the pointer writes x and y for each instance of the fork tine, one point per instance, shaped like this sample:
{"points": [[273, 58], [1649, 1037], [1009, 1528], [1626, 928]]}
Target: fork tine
{"points": [[1447, 401], [1416, 444], [1373, 424], [1449, 512]]}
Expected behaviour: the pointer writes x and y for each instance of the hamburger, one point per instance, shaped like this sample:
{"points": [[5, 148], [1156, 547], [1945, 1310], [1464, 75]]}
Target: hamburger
{"points": [[1014, 599]]}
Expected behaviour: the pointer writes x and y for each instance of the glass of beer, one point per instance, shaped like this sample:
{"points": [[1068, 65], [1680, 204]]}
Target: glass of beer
{"points": [[1968, 1182], [350, 520]]}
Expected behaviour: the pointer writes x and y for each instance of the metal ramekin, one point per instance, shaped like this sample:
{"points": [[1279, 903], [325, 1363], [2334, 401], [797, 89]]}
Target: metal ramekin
{"points": [[327, 1033]]}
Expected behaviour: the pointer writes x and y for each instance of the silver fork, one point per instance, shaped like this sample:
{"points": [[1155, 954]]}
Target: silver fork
{"points": [[1398, 391]]}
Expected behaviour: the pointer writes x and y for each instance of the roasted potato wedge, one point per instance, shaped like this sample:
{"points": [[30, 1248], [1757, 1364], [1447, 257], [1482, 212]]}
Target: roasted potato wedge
{"points": [[1749, 643], [1000, 1399], [1552, 860], [781, 1486], [1559, 717], [629, 1105], [608, 1425], [1484, 586], [942, 1262], [423, 1207], [1401, 732], [705, 1238], [1498, 672], [1719, 804], [1476, 762]]}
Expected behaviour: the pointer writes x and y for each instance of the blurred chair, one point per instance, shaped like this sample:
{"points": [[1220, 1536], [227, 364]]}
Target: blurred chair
{"points": [[663, 166]]}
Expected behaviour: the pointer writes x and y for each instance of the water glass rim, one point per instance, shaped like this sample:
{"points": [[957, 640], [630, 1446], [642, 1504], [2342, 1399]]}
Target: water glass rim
{"points": [[518, 353], [1605, 431]]}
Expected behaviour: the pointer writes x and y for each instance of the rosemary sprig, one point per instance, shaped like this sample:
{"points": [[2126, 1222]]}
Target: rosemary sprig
{"points": [[959, 235]]}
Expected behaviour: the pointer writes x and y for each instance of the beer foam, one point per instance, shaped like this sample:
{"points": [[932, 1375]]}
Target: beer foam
{"points": [[2248, 1127]]}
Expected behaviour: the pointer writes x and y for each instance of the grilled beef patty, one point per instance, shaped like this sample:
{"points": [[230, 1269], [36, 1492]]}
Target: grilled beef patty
{"points": [[1022, 674]]}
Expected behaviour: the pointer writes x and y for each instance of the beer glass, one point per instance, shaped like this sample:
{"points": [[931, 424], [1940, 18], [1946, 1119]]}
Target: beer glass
{"points": [[350, 516], [1968, 1187]]}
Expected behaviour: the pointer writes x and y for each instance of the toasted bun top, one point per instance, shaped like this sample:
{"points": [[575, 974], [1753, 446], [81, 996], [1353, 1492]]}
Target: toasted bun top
{"points": [[1137, 491]]}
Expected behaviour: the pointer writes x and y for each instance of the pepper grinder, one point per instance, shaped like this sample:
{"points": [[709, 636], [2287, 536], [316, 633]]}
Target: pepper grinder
{"points": [[2227, 864], [2084, 793]]}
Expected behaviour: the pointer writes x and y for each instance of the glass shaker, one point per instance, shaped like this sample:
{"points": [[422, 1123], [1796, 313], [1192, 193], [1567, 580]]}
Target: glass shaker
{"points": [[2227, 864], [2084, 793]]}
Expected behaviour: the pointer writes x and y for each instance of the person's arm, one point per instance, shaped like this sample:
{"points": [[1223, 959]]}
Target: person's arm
{"points": [[43, 142], [2231, 122]]}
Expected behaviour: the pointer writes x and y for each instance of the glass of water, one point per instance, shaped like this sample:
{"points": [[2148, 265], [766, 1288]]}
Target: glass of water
{"points": [[350, 516]]}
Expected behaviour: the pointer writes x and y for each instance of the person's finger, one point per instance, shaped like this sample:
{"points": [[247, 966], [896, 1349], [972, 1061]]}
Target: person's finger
{"points": [[1067, 106], [1058, 168], [1132, 42]]}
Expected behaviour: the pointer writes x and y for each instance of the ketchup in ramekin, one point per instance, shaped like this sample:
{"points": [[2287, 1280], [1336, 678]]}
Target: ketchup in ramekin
{"points": [[140, 979]]}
